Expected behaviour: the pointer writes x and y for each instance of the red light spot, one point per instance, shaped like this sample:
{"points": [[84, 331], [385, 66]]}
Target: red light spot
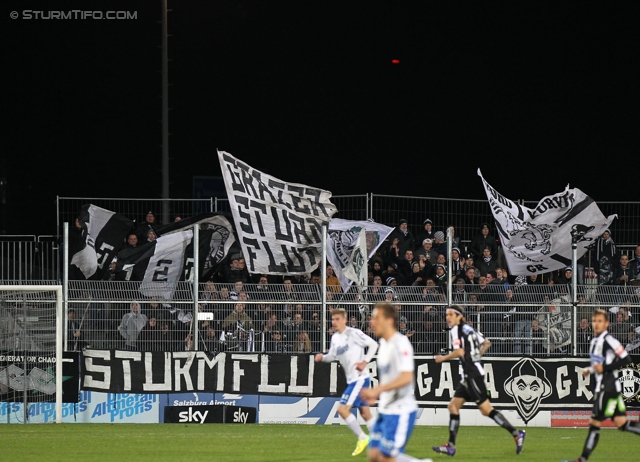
{"points": [[395, 61]]}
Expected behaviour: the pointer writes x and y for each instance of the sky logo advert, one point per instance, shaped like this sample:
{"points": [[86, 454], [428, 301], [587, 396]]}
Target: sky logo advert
{"points": [[191, 416], [240, 417]]}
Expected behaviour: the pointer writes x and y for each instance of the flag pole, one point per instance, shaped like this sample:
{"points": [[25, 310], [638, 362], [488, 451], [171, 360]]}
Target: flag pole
{"points": [[324, 288], [449, 265], [196, 283], [574, 290]]}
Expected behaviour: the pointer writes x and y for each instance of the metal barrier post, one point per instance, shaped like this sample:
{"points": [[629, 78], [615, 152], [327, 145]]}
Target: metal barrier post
{"points": [[196, 283], [65, 281], [574, 294], [324, 288], [548, 335], [449, 266]]}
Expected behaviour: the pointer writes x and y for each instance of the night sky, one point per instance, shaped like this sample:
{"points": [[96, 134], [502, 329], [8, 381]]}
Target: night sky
{"points": [[538, 95]]}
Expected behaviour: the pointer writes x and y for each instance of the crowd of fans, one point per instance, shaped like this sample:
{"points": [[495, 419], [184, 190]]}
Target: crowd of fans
{"points": [[522, 315]]}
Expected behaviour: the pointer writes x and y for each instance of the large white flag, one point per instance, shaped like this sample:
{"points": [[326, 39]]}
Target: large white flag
{"points": [[356, 269], [279, 224], [538, 240], [342, 238]]}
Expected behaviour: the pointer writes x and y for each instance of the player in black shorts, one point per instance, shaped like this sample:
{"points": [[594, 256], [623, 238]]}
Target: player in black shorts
{"points": [[607, 356], [469, 346]]}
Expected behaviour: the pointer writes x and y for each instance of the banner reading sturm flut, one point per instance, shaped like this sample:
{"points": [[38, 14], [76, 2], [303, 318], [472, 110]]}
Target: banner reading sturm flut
{"points": [[539, 240], [279, 224], [527, 385]]}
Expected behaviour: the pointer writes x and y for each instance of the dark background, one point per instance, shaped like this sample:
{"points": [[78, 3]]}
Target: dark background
{"points": [[538, 95]]}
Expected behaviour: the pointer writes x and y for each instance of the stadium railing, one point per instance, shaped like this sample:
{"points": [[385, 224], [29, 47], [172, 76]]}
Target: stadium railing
{"points": [[540, 320]]}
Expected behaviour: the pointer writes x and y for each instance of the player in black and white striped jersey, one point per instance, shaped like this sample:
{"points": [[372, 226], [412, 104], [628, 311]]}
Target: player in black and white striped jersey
{"points": [[469, 346], [607, 356]]}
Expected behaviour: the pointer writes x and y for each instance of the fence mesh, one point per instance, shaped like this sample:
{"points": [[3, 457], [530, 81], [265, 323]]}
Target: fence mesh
{"points": [[135, 209], [529, 319], [27, 353]]}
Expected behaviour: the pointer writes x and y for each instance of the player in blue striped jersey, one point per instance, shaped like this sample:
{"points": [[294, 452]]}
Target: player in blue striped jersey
{"points": [[607, 356]]}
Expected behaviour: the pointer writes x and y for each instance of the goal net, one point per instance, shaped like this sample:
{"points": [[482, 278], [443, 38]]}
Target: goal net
{"points": [[31, 352]]}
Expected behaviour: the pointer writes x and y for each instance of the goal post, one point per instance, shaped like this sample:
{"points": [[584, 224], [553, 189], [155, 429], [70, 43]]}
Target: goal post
{"points": [[32, 323]]}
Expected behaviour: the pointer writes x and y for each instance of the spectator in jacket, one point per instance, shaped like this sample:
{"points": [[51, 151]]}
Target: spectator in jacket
{"points": [[131, 325], [404, 266], [74, 343], [439, 242], [427, 251], [470, 276], [635, 260], [426, 233], [404, 236], [481, 241], [148, 224], [585, 334], [623, 273], [150, 336], [236, 270], [538, 341], [333, 283], [132, 241], [487, 263]]}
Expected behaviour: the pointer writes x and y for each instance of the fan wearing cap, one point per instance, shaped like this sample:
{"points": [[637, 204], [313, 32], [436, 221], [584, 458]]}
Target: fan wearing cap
{"points": [[439, 242], [427, 252], [482, 240], [405, 238], [566, 276], [427, 232]]}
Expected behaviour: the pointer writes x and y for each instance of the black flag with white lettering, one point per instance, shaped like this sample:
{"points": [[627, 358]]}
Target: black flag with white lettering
{"points": [[169, 259], [94, 241]]}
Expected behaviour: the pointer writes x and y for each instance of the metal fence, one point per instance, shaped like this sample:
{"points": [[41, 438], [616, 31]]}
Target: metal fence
{"points": [[538, 320], [29, 342], [134, 209], [28, 258]]}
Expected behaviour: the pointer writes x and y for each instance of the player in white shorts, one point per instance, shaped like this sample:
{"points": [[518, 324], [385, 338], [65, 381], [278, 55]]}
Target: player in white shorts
{"points": [[348, 346], [397, 403]]}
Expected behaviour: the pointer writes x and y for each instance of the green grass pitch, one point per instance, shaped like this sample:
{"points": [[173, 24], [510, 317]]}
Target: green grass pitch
{"points": [[248, 443]]}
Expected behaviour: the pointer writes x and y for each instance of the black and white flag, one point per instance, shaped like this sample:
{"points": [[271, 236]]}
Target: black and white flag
{"points": [[279, 224], [100, 237], [356, 269], [539, 240], [169, 259], [341, 242]]}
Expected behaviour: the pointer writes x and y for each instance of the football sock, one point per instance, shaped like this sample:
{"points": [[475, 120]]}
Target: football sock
{"points": [[352, 422], [591, 443], [454, 424], [504, 423], [370, 423], [633, 427]]}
